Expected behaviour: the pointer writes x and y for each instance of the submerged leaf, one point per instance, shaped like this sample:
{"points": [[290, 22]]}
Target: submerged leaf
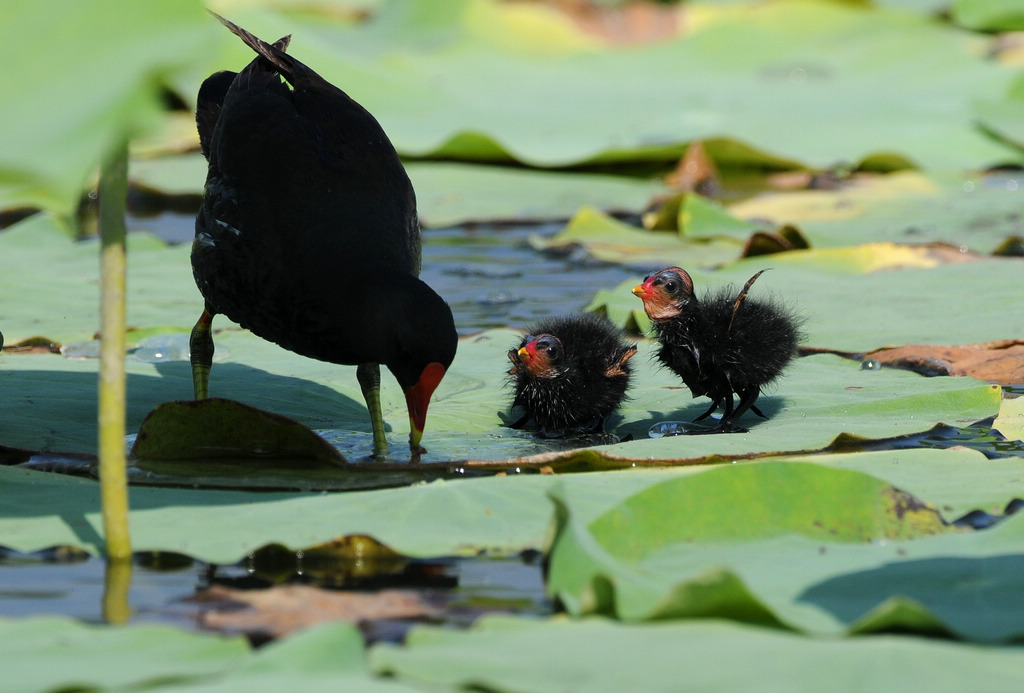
{"points": [[278, 611]]}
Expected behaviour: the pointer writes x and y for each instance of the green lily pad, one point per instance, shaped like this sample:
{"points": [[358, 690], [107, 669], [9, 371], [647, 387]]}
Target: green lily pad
{"points": [[145, 658], [51, 405], [599, 655], [50, 148], [95, 657], [494, 515], [766, 553], [1010, 421], [988, 15], [321, 658], [702, 85]]}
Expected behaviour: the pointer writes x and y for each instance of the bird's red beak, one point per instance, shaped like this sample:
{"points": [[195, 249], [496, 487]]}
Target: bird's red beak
{"points": [[417, 399], [529, 351], [657, 305], [643, 291]]}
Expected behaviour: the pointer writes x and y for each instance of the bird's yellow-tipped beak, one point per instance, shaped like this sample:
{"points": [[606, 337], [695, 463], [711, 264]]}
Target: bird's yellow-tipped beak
{"points": [[639, 290], [417, 399]]}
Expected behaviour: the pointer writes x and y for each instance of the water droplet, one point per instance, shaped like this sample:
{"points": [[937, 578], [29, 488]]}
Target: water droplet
{"points": [[964, 249], [870, 365], [162, 348], [664, 429], [1011, 185], [969, 186], [798, 75]]}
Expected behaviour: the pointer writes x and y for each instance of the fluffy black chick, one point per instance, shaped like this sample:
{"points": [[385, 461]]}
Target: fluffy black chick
{"points": [[722, 344], [570, 373]]}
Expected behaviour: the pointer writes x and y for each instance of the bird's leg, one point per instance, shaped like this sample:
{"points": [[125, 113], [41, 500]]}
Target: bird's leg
{"points": [[747, 399], [711, 409], [757, 411], [200, 353], [368, 375]]}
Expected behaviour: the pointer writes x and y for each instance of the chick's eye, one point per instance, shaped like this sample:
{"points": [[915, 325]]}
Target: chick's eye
{"points": [[670, 286]]}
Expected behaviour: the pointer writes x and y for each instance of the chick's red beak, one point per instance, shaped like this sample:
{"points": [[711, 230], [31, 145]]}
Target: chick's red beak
{"points": [[417, 399], [657, 304], [528, 352], [643, 291]]}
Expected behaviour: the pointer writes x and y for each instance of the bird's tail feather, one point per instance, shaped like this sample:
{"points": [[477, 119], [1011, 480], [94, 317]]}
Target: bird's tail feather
{"points": [[274, 53]]}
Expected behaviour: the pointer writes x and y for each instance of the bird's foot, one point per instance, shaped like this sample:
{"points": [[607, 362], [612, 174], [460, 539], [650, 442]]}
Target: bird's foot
{"points": [[718, 429], [415, 451]]}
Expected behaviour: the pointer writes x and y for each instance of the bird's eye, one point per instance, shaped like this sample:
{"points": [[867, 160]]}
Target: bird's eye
{"points": [[670, 286], [550, 346]]}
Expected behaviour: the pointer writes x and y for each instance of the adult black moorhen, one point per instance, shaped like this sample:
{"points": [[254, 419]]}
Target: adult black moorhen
{"points": [[721, 344], [308, 234], [570, 373]]}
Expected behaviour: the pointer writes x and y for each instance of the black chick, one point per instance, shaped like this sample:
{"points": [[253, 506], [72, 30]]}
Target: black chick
{"points": [[722, 344], [308, 234], [570, 373]]}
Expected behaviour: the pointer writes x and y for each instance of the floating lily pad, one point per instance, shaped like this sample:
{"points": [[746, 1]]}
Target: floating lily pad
{"points": [[1010, 421], [700, 85], [52, 405], [50, 149], [94, 657], [496, 515], [603, 656], [763, 551], [977, 213]]}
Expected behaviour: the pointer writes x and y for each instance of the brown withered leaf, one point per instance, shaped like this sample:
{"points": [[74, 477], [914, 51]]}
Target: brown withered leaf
{"points": [[998, 362], [695, 171], [278, 611], [768, 242], [1001, 361]]}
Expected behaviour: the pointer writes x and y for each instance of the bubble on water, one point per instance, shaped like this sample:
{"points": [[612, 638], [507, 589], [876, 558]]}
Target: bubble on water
{"points": [[871, 365]]}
